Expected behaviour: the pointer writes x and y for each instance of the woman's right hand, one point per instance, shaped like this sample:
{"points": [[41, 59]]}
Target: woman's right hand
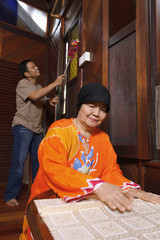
{"points": [[114, 197]]}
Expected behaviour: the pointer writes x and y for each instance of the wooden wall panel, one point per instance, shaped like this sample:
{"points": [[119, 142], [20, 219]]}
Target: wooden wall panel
{"points": [[152, 179], [95, 40], [130, 77], [72, 100], [121, 13], [129, 168], [15, 48], [157, 17], [9, 77], [122, 85], [157, 24], [92, 40]]}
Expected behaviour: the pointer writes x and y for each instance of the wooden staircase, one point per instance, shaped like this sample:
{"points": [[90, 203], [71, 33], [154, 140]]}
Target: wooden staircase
{"points": [[11, 218]]}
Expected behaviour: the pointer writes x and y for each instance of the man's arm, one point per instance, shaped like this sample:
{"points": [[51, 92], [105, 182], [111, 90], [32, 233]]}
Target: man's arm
{"points": [[34, 96]]}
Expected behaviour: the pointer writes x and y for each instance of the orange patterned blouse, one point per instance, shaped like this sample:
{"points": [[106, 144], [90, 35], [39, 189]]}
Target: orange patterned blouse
{"points": [[68, 170]]}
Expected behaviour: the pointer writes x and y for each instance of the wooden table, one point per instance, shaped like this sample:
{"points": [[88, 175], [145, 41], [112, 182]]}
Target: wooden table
{"points": [[38, 228], [92, 219]]}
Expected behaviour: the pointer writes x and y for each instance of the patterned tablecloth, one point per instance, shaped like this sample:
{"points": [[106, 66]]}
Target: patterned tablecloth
{"points": [[92, 219]]}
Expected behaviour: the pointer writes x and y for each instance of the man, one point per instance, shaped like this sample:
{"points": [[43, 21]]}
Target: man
{"points": [[27, 125]]}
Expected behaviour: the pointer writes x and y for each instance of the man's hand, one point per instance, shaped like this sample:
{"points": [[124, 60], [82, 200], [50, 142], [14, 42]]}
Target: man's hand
{"points": [[114, 197], [53, 101], [60, 80]]}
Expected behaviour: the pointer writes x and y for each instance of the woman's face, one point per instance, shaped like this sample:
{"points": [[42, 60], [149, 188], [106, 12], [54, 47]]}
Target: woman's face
{"points": [[92, 114]]}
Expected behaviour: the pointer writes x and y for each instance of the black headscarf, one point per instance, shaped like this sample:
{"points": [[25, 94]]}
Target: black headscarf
{"points": [[93, 92]]}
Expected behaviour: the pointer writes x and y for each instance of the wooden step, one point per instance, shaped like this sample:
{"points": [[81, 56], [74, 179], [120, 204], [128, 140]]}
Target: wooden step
{"points": [[11, 218]]}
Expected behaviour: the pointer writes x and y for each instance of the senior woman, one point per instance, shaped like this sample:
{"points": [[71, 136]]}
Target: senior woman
{"points": [[77, 159]]}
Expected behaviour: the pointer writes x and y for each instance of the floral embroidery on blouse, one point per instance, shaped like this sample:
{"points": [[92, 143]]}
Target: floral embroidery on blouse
{"points": [[87, 161]]}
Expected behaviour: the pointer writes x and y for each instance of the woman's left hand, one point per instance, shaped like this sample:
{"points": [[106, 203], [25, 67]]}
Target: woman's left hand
{"points": [[138, 193]]}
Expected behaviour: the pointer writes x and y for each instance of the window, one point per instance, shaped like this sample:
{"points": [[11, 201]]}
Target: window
{"points": [[73, 64], [31, 19]]}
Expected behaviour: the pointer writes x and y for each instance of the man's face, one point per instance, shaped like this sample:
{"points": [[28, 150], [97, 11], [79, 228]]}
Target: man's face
{"points": [[33, 71]]}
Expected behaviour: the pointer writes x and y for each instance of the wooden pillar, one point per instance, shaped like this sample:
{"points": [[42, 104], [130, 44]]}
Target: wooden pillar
{"points": [[143, 79]]}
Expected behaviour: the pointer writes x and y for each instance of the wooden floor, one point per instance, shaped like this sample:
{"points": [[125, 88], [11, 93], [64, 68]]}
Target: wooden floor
{"points": [[11, 218]]}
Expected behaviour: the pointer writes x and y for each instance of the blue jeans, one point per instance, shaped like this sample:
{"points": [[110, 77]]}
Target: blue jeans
{"points": [[24, 141]]}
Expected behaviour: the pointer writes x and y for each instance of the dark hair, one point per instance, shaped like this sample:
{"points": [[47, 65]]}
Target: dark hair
{"points": [[23, 67]]}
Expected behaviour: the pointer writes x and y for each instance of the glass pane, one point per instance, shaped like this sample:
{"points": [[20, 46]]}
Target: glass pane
{"points": [[73, 64], [31, 19]]}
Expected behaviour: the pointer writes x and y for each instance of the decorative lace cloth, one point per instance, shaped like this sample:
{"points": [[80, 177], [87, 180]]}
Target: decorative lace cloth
{"points": [[93, 220]]}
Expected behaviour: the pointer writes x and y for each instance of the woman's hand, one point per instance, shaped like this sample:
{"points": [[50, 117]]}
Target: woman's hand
{"points": [[146, 196], [121, 199], [115, 197]]}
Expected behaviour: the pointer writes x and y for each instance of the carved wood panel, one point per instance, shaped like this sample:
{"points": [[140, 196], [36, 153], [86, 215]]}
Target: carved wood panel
{"points": [[122, 85], [8, 80]]}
